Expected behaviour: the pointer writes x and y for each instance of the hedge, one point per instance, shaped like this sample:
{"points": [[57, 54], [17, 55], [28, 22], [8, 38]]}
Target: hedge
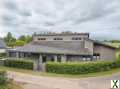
{"points": [[80, 68], [3, 77], [23, 64]]}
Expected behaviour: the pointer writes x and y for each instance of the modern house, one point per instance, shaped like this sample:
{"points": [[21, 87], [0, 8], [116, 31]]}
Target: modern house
{"points": [[2, 46], [62, 47]]}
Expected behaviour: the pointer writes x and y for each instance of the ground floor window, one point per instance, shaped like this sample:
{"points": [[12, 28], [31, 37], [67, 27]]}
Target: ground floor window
{"points": [[12, 54], [96, 56], [79, 58]]}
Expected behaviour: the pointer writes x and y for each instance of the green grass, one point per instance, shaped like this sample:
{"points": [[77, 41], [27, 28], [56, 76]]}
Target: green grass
{"points": [[106, 73], [11, 85]]}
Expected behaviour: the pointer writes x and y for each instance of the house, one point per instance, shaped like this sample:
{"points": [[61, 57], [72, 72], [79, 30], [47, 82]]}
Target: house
{"points": [[2, 47], [62, 47]]}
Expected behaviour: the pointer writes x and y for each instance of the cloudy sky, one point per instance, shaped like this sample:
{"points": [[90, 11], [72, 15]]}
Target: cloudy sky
{"points": [[99, 17]]}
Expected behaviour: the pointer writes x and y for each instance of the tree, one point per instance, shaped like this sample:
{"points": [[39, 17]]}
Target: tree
{"points": [[28, 39], [22, 38], [10, 40], [19, 43]]}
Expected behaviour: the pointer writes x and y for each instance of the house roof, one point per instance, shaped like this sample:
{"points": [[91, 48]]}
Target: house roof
{"points": [[59, 47], [54, 47], [2, 44], [102, 44]]}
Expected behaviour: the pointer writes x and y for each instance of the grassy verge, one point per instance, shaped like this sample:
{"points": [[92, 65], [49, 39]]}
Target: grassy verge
{"points": [[11, 86], [105, 73]]}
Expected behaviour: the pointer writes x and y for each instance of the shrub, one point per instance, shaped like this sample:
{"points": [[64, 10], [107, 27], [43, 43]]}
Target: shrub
{"points": [[24, 64], [2, 55], [80, 68], [3, 77]]}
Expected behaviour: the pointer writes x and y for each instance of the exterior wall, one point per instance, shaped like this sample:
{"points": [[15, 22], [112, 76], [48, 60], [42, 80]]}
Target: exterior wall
{"points": [[65, 38], [2, 50], [89, 44], [74, 58], [106, 53]]}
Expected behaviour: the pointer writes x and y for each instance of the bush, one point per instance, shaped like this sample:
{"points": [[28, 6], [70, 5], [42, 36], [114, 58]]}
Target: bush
{"points": [[24, 64], [3, 77], [2, 55], [80, 68]]}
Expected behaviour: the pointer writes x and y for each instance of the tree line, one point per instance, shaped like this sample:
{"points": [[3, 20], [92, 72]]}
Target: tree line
{"points": [[12, 41]]}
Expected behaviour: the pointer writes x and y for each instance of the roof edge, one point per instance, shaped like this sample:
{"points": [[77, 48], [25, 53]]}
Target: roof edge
{"points": [[103, 44]]}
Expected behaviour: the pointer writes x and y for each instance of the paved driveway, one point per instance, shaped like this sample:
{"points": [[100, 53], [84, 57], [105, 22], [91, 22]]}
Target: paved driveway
{"points": [[42, 82]]}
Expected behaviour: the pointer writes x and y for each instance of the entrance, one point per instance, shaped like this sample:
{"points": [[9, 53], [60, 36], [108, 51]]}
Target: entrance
{"points": [[44, 59]]}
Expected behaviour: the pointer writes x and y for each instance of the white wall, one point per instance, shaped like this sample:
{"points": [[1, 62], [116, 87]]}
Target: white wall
{"points": [[2, 50]]}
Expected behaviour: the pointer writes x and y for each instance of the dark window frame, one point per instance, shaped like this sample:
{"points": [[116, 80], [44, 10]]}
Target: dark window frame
{"points": [[76, 38], [58, 38], [41, 38]]}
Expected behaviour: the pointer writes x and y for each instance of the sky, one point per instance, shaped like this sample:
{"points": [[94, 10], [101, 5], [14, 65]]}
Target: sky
{"points": [[101, 18]]}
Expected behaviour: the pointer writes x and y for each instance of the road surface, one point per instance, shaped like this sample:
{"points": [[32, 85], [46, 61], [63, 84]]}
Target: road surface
{"points": [[43, 82]]}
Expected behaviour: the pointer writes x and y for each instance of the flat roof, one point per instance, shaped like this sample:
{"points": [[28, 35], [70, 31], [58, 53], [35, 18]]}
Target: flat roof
{"points": [[59, 34]]}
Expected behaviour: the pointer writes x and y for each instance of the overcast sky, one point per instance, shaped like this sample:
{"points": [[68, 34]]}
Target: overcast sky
{"points": [[99, 17]]}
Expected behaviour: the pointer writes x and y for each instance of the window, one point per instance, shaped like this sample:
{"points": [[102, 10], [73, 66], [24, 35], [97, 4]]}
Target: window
{"points": [[76, 38], [96, 56], [58, 38], [59, 58], [44, 59], [41, 38]]}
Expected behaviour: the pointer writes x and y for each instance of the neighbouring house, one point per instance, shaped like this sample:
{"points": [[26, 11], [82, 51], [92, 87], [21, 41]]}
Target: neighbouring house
{"points": [[62, 47], [2, 47]]}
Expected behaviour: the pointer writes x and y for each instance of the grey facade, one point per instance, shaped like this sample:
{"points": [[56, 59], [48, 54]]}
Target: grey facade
{"points": [[64, 47]]}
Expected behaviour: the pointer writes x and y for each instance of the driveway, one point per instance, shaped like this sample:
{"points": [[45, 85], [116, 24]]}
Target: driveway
{"points": [[43, 82]]}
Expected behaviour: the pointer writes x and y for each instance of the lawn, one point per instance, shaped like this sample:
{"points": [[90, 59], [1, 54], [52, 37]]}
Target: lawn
{"points": [[106, 73], [10, 86]]}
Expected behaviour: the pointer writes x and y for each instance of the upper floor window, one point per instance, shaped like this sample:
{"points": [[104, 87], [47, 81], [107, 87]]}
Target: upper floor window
{"points": [[41, 38], [58, 38], [76, 38]]}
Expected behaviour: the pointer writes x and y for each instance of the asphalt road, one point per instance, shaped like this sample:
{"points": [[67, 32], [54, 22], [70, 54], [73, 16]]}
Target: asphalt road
{"points": [[43, 82]]}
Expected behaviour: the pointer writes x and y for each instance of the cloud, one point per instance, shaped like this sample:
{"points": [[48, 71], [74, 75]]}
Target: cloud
{"points": [[28, 16]]}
